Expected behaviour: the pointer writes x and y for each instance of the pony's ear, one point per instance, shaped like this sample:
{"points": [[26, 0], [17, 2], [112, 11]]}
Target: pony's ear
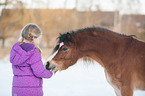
{"points": [[70, 38]]}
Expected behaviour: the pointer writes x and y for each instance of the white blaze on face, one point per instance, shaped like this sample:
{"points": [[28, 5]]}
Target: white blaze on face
{"points": [[52, 56]]}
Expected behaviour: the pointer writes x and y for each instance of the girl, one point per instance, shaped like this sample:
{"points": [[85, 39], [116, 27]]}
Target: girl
{"points": [[27, 65]]}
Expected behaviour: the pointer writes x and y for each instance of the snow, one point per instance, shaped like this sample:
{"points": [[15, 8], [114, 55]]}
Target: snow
{"points": [[78, 80]]}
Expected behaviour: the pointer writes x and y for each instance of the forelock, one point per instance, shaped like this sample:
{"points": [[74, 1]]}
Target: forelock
{"points": [[57, 47]]}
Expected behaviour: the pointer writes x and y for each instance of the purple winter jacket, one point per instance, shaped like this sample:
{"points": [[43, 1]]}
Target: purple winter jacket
{"points": [[28, 70]]}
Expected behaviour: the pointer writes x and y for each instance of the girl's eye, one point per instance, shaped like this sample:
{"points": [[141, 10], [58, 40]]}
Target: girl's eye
{"points": [[64, 49]]}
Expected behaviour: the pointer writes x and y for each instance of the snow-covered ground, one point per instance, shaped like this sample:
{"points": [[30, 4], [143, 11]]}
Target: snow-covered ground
{"points": [[78, 80]]}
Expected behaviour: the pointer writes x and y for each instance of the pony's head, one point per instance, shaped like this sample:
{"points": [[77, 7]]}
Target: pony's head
{"points": [[65, 53]]}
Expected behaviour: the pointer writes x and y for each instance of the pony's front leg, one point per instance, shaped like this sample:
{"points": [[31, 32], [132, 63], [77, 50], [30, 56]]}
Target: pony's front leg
{"points": [[114, 83], [126, 90], [117, 92]]}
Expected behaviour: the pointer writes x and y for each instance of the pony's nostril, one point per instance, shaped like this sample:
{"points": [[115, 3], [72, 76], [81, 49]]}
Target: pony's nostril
{"points": [[47, 65], [50, 66]]}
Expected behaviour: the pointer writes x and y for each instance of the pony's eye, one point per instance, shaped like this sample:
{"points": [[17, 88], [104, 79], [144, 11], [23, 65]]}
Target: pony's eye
{"points": [[64, 49]]}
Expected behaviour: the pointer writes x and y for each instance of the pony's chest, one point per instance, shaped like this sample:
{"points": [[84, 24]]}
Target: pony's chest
{"points": [[113, 79]]}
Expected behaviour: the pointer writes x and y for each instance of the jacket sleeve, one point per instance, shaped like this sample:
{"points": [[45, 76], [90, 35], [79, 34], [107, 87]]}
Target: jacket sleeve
{"points": [[37, 66]]}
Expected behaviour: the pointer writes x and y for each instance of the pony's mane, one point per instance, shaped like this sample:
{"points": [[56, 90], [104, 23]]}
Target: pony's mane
{"points": [[102, 29], [64, 37]]}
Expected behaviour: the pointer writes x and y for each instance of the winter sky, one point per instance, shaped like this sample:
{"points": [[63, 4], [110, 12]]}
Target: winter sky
{"points": [[105, 5]]}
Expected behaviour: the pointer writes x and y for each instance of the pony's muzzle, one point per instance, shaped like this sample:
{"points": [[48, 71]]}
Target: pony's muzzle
{"points": [[51, 67]]}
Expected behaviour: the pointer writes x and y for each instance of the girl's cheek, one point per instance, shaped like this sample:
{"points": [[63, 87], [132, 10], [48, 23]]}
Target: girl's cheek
{"points": [[36, 41]]}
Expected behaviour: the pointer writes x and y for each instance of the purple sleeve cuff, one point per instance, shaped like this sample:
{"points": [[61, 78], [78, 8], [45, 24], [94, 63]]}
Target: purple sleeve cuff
{"points": [[39, 70]]}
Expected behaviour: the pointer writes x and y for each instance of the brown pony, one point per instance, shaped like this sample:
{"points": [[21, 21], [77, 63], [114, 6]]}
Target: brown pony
{"points": [[122, 56]]}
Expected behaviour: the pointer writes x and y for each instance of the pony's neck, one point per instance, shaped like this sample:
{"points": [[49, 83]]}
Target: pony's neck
{"points": [[104, 50]]}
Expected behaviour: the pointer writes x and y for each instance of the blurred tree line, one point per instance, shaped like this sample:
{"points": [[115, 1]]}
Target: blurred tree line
{"points": [[55, 21]]}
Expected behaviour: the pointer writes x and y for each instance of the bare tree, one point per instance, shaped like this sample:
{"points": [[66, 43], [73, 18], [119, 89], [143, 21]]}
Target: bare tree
{"points": [[2, 34], [99, 18], [91, 4], [120, 7], [117, 6], [47, 6], [76, 4], [7, 22], [65, 4]]}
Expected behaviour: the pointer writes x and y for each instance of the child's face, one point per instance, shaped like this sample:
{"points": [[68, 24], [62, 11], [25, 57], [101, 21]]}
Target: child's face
{"points": [[37, 40]]}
